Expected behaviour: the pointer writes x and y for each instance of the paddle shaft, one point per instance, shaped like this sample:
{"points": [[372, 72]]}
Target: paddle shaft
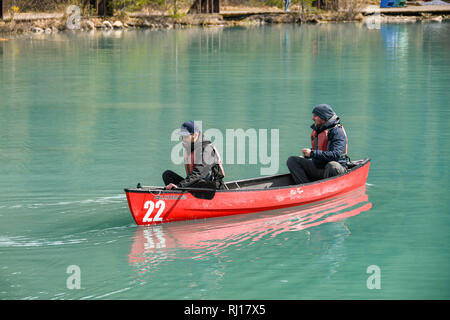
{"points": [[201, 193], [182, 189]]}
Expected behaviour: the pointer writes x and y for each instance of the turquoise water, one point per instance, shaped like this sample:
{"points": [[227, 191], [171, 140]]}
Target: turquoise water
{"points": [[83, 116]]}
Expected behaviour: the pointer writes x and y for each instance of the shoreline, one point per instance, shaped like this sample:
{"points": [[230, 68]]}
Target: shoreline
{"points": [[29, 23]]}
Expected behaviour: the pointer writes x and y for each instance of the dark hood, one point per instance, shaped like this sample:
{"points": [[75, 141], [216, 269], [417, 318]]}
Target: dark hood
{"points": [[332, 122], [324, 111]]}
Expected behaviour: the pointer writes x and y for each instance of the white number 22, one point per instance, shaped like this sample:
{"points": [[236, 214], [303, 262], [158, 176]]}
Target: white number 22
{"points": [[150, 205]]}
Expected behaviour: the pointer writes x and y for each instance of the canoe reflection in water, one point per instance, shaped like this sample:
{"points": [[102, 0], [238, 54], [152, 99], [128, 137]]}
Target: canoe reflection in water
{"points": [[156, 243]]}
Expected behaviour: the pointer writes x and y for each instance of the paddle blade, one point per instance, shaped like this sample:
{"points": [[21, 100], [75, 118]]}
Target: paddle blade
{"points": [[203, 194]]}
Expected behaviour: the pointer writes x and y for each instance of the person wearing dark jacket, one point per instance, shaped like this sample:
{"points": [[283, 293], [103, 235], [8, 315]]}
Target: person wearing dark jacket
{"points": [[328, 156], [201, 161]]}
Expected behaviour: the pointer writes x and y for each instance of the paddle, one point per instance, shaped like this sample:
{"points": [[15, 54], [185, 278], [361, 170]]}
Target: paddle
{"points": [[202, 189]]}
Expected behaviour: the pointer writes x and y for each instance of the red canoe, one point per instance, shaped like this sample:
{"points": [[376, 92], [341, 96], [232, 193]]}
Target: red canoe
{"points": [[152, 205]]}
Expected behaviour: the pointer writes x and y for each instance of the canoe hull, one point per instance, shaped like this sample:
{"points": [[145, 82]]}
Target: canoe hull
{"points": [[160, 206]]}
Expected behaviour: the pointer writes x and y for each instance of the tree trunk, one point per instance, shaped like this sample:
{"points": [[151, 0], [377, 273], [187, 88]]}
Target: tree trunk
{"points": [[5, 6], [205, 6], [103, 7]]}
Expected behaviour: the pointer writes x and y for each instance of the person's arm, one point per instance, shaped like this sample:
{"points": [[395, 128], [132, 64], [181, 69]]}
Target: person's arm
{"points": [[201, 170], [338, 142]]}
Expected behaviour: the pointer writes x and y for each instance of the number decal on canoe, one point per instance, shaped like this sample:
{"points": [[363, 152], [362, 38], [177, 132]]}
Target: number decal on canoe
{"points": [[150, 205], [161, 205]]}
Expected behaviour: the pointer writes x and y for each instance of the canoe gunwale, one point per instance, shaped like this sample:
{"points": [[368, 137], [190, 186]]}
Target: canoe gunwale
{"points": [[364, 162]]}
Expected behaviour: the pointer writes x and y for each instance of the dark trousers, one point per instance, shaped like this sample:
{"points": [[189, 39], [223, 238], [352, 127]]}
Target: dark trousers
{"points": [[304, 171], [171, 177]]}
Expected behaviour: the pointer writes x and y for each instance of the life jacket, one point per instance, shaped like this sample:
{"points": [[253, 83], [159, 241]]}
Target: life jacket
{"points": [[320, 141], [189, 160], [189, 164]]}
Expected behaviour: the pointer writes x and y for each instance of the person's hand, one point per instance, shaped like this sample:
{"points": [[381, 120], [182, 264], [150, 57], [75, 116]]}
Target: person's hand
{"points": [[171, 186], [306, 152]]}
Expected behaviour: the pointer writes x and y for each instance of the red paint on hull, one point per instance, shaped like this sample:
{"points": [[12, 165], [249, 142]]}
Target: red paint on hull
{"points": [[159, 206]]}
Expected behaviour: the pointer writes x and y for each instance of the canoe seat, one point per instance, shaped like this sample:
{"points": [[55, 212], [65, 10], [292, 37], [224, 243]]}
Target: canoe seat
{"points": [[280, 180]]}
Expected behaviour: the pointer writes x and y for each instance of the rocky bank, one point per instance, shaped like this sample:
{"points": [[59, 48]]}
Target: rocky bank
{"points": [[58, 24]]}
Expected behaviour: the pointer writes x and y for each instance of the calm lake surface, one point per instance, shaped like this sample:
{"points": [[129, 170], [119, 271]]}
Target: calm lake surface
{"points": [[83, 116]]}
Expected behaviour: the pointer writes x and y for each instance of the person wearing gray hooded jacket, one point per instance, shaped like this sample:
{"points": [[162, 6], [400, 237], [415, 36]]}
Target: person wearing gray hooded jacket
{"points": [[202, 161], [328, 156]]}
